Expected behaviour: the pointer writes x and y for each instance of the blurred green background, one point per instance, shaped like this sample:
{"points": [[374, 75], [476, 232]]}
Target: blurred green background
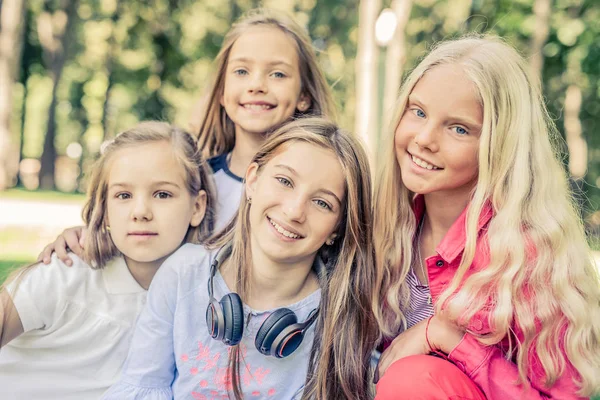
{"points": [[75, 72]]}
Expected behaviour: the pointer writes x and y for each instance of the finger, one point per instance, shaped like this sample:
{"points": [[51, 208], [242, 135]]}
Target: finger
{"points": [[72, 242], [384, 362], [60, 248], [83, 238], [46, 254]]}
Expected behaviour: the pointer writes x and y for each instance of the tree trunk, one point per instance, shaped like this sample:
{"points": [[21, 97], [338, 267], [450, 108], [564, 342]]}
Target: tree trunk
{"points": [[575, 141], [366, 76], [12, 14], [395, 59], [54, 38], [541, 10]]}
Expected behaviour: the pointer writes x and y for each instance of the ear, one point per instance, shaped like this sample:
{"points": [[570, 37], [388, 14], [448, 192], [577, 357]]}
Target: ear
{"points": [[199, 209], [332, 237], [251, 178], [304, 102]]}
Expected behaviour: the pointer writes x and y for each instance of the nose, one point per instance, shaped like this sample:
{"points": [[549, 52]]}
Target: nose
{"points": [[426, 137], [294, 209], [142, 211], [257, 83]]}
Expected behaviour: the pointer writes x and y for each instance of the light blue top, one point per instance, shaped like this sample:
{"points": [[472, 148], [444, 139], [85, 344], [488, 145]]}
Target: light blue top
{"points": [[172, 355]]}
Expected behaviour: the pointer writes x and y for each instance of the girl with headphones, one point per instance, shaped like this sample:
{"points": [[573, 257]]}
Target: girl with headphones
{"points": [[283, 291]]}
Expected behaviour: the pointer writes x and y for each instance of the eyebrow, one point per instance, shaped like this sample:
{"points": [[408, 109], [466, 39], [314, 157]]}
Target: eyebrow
{"points": [[158, 183], [271, 63], [293, 172], [464, 120]]}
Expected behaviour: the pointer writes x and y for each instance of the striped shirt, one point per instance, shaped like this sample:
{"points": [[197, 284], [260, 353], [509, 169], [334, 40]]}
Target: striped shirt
{"points": [[421, 306]]}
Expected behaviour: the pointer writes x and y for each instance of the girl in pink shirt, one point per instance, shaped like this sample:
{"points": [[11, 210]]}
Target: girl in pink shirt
{"points": [[488, 290]]}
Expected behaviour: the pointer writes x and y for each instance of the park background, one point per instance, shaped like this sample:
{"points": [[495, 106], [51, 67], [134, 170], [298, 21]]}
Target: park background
{"points": [[74, 73]]}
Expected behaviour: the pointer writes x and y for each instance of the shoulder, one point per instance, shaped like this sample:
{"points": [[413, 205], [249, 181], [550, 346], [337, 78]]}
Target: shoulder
{"points": [[54, 274], [187, 264]]}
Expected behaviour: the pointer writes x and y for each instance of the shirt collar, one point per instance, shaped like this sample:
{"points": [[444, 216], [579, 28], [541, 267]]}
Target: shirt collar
{"points": [[453, 244], [118, 279]]}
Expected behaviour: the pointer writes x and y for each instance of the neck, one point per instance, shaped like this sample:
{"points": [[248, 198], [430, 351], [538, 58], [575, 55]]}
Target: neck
{"points": [[441, 211], [246, 146], [274, 285], [143, 272]]}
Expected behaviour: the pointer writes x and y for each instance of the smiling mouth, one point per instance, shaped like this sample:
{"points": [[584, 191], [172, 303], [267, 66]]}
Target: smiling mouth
{"points": [[423, 164], [258, 107], [283, 231]]}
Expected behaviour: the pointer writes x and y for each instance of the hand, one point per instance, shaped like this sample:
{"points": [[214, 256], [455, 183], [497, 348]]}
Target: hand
{"points": [[71, 239], [409, 343], [442, 334]]}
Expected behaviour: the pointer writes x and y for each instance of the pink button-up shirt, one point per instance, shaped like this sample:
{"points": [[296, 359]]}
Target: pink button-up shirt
{"points": [[487, 366]]}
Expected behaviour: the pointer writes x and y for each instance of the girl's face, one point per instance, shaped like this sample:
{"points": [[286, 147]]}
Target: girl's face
{"points": [[296, 205], [149, 207], [437, 139], [262, 80]]}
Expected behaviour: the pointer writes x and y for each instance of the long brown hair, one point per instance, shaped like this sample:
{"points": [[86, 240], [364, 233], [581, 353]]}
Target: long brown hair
{"points": [[346, 330], [217, 131]]}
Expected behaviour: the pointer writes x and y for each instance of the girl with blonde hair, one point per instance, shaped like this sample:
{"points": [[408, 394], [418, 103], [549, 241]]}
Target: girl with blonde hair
{"points": [[287, 307], [481, 254], [69, 329], [266, 74]]}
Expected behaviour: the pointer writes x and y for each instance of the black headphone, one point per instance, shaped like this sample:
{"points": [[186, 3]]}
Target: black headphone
{"points": [[279, 335]]}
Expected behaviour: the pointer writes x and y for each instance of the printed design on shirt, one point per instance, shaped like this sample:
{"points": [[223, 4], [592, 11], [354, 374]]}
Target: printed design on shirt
{"points": [[214, 379]]}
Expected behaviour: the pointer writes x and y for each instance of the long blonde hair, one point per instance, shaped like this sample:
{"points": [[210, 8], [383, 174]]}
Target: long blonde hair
{"points": [[541, 277], [217, 131], [99, 247], [346, 330]]}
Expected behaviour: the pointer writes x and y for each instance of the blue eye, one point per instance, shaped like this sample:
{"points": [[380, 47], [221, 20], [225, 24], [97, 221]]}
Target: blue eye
{"points": [[278, 74], [284, 181], [240, 71], [419, 113], [460, 130], [162, 195], [123, 196], [323, 204]]}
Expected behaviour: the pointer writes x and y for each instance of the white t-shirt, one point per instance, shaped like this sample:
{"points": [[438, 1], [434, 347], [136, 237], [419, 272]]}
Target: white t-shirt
{"points": [[229, 191], [77, 323]]}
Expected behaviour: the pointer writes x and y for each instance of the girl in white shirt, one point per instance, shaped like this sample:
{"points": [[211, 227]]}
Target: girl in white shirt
{"points": [[65, 332]]}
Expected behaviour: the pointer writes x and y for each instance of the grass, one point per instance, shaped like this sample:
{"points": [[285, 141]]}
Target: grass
{"points": [[42, 195]]}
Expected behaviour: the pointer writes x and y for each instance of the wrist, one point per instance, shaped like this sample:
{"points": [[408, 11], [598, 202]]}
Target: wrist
{"points": [[443, 335]]}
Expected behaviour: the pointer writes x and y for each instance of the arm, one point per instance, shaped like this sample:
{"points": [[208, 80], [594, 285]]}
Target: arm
{"points": [[150, 367], [71, 239], [495, 375], [11, 326]]}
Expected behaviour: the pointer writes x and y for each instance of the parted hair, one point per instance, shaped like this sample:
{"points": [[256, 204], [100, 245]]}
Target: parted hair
{"points": [[217, 131], [541, 277], [99, 247]]}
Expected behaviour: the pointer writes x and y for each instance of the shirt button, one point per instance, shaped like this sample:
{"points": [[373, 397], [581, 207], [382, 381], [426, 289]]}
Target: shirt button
{"points": [[477, 324], [439, 263]]}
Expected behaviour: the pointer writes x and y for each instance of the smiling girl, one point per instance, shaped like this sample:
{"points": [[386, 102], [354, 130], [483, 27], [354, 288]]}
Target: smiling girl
{"points": [[481, 257], [287, 306], [66, 331]]}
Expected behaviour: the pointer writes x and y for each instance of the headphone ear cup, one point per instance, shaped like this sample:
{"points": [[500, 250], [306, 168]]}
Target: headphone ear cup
{"points": [[233, 318], [273, 325]]}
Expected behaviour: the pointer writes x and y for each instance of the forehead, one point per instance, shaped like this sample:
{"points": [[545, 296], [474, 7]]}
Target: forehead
{"points": [[315, 166], [145, 163], [449, 89], [265, 43]]}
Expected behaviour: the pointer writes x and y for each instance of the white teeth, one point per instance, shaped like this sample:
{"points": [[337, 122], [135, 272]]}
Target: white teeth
{"points": [[423, 163], [283, 231], [257, 107]]}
